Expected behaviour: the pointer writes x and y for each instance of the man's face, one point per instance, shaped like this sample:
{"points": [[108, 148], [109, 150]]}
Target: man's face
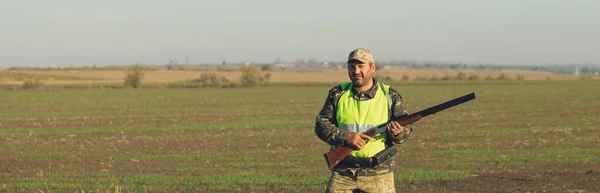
{"points": [[360, 73]]}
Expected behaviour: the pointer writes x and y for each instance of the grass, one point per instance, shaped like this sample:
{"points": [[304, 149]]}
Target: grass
{"points": [[108, 130], [262, 139], [476, 159], [429, 175], [236, 181], [44, 155]]}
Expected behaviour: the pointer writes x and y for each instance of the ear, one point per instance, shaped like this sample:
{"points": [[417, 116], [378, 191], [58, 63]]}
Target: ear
{"points": [[374, 66]]}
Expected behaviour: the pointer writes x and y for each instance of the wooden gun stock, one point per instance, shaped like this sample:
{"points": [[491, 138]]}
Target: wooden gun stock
{"points": [[336, 155]]}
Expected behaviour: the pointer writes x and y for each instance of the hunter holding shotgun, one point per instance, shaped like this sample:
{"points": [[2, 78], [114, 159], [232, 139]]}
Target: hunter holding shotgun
{"points": [[349, 110]]}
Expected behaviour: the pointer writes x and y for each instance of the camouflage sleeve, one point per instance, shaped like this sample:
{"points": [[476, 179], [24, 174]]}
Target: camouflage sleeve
{"points": [[399, 110], [325, 126]]}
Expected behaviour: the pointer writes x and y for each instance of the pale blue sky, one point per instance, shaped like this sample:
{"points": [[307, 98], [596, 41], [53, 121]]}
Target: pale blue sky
{"points": [[109, 32]]}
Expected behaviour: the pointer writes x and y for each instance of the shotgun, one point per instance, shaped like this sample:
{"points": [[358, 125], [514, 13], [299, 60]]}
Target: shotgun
{"points": [[336, 155]]}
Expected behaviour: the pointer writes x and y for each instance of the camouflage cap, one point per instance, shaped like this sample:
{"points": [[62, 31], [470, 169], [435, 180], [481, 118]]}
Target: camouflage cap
{"points": [[361, 54]]}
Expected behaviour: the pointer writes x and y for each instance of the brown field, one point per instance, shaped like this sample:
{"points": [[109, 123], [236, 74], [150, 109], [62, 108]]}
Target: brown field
{"points": [[517, 136], [164, 76]]}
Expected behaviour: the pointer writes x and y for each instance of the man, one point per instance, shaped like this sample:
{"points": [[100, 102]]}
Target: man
{"points": [[350, 109]]}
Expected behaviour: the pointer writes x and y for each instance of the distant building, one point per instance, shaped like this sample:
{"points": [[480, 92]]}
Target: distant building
{"points": [[390, 67], [246, 64], [284, 65]]}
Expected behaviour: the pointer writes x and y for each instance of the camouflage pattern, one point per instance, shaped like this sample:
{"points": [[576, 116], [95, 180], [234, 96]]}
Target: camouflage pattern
{"points": [[362, 55], [342, 183]]}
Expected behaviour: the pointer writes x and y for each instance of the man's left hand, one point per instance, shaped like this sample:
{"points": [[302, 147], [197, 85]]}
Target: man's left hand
{"points": [[394, 128]]}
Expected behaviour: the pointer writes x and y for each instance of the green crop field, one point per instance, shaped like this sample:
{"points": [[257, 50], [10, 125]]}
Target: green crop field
{"points": [[519, 133]]}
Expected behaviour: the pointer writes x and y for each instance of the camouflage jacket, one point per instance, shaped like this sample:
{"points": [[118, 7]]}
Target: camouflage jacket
{"points": [[326, 123]]}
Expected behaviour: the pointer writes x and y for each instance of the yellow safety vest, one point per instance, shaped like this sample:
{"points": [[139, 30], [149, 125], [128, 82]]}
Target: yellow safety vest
{"points": [[358, 116]]}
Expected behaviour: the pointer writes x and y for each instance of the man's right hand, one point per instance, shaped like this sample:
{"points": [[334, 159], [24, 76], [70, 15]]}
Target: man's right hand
{"points": [[356, 140]]}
